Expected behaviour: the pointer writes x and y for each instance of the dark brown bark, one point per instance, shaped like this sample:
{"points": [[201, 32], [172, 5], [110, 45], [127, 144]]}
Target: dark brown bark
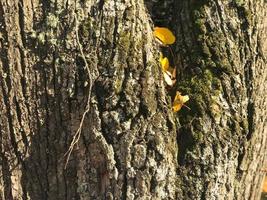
{"points": [[132, 146]]}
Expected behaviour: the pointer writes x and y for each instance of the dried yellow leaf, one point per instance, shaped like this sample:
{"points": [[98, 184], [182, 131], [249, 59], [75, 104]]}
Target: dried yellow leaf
{"points": [[164, 35], [164, 63], [179, 101], [169, 73]]}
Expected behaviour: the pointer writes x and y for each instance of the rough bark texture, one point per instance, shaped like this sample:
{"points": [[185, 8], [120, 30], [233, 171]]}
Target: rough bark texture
{"points": [[132, 146], [222, 44], [128, 143]]}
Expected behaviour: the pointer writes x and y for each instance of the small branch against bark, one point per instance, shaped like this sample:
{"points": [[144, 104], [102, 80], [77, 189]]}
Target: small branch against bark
{"points": [[77, 134]]}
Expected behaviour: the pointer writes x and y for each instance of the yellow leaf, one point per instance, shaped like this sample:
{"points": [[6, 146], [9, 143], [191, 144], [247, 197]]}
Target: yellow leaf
{"points": [[164, 35], [168, 72], [179, 101], [164, 63], [177, 107]]}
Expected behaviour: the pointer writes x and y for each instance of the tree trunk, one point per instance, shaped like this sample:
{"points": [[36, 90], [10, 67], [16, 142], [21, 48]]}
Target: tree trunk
{"points": [[221, 47], [93, 66]]}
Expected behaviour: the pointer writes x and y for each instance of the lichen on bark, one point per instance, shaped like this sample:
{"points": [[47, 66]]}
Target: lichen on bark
{"points": [[132, 145]]}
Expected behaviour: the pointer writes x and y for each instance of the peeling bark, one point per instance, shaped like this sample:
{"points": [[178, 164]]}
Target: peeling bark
{"points": [[132, 146]]}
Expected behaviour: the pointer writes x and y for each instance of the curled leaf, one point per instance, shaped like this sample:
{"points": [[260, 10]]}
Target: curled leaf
{"points": [[179, 101], [169, 73], [164, 35], [168, 78]]}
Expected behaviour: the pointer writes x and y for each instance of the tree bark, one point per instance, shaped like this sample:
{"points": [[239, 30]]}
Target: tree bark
{"points": [[221, 47], [60, 59]]}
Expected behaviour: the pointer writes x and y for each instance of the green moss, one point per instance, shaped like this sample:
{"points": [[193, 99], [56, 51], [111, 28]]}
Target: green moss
{"points": [[199, 5], [239, 2], [206, 51], [124, 40], [200, 25], [198, 137], [209, 63], [203, 91], [200, 89], [210, 49], [224, 65], [209, 52]]}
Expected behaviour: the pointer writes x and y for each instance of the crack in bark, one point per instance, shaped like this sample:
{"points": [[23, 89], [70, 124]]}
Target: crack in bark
{"points": [[21, 128], [21, 21], [53, 114]]}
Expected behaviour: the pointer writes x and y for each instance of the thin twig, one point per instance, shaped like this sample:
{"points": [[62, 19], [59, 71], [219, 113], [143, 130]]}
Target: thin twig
{"points": [[171, 52], [77, 135], [186, 107]]}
